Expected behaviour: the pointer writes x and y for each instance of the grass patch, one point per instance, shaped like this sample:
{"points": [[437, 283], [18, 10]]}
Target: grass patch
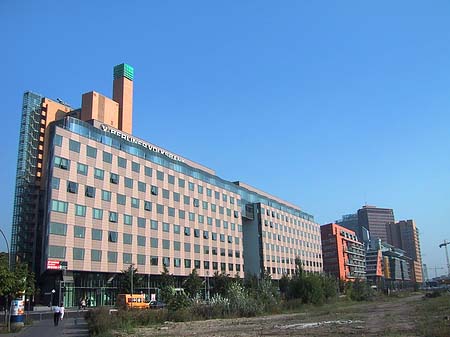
{"points": [[433, 316]]}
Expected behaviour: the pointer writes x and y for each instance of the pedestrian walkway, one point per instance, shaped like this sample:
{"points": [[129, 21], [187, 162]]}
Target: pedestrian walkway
{"points": [[70, 326]]}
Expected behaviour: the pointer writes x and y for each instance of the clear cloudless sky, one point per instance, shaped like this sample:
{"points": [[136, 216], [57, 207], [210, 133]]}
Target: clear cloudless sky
{"points": [[327, 104]]}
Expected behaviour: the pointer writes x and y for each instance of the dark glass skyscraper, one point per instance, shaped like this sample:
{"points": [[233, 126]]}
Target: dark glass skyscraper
{"points": [[375, 220]]}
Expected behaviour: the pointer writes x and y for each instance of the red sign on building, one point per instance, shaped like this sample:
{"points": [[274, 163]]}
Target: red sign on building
{"points": [[53, 264]]}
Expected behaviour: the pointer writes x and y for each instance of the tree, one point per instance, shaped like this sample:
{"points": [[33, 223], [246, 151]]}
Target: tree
{"points": [[129, 275], [167, 285], [193, 284], [220, 283]]}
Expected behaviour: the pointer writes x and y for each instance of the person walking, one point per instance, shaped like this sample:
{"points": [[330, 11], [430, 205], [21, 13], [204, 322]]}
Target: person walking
{"points": [[61, 311], [56, 314]]}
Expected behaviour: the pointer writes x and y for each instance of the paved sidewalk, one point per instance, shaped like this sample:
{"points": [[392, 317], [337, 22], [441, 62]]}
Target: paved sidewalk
{"points": [[72, 326]]}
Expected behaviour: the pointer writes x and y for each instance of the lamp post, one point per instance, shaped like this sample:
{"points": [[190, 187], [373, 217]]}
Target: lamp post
{"points": [[51, 297], [7, 247]]}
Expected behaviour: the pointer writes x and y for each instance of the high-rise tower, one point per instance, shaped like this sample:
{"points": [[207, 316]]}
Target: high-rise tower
{"points": [[123, 94]]}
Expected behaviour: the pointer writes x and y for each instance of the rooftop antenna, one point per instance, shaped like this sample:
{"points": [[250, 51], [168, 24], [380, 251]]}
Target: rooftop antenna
{"points": [[445, 244]]}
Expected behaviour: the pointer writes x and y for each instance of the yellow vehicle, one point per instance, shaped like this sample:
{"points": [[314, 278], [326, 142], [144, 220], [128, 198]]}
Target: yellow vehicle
{"points": [[135, 301]]}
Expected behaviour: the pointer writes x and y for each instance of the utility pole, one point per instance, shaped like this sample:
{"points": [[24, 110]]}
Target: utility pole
{"points": [[446, 255]]}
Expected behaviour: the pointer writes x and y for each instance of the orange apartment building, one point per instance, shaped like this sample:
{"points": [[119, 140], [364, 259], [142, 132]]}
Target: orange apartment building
{"points": [[343, 255]]}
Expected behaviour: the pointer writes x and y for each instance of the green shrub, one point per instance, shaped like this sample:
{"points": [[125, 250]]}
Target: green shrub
{"points": [[359, 291]]}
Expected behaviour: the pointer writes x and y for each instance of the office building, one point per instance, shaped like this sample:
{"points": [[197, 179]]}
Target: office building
{"points": [[343, 254], [350, 221], [96, 199], [405, 235], [375, 219]]}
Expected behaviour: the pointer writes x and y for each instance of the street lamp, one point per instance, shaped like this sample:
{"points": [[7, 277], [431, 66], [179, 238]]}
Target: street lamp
{"points": [[9, 252], [51, 298]]}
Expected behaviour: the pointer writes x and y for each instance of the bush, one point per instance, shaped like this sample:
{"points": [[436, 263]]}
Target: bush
{"points": [[359, 291]]}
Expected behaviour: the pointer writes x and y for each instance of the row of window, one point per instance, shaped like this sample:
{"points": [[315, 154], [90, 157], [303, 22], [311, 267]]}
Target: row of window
{"points": [[277, 259], [290, 240], [290, 220], [121, 199], [57, 228], [136, 167], [113, 216], [141, 259]]}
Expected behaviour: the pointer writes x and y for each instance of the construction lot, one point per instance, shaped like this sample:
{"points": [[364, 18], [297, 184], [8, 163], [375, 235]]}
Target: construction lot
{"points": [[404, 315]]}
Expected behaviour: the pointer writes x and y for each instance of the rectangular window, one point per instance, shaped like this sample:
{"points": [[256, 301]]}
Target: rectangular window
{"points": [[148, 171], [187, 247], [96, 255], [205, 234], [134, 202], [197, 233], [91, 151], [153, 260], [127, 258], [224, 197], [57, 228], [79, 232], [114, 178], [200, 189], [166, 194], [106, 195], [181, 182], [80, 210], [196, 202], [99, 174], [141, 259], [171, 211], [236, 214], [230, 239], [112, 236], [166, 261], [97, 213], [62, 163], [89, 192], [177, 262], [160, 175], [225, 224], [231, 200], [141, 222], [97, 234], [57, 140], [230, 266], [121, 199], [171, 179], [72, 187], [55, 183], [186, 200], [59, 206], [154, 242], [208, 192], [127, 219], [58, 252], [196, 249], [127, 239], [181, 214], [78, 253], [74, 146], [221, 210], [147, 205], [107, 157], [159, 209], [112, 257], [166, 227], [191, 216], [206, 250], [154, 190], [128, 182], [142, 187], [187, 231], [176, 229], [113, 216], [209, 221], [217, 195], [121, 162], [214, 250], [82, 169], [135, 167], [213, 207], [205, 205], [217, 223], [176, 197], [197, 264], [222, 251], [215, 265], [191, 186], [206, 265], [176, 245], [187, 263], [201, 219], [153, 224], [214, 236]]}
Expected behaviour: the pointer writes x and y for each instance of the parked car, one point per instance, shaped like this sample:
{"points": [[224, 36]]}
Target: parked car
{"points": [[157, 305]]}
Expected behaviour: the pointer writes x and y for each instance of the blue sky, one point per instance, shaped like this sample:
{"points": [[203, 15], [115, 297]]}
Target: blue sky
{"points": [[327, 104]]}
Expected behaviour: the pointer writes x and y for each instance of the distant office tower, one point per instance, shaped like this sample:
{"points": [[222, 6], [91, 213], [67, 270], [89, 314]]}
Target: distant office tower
{"points": [[343, 255], [405, 235], [425, 272], [375, 220]]}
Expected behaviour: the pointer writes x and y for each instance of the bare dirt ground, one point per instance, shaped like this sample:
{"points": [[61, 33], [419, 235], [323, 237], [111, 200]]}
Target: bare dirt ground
{"points": [[391, 317]]}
